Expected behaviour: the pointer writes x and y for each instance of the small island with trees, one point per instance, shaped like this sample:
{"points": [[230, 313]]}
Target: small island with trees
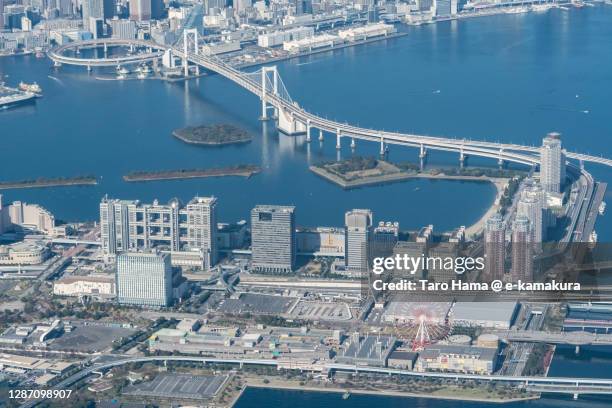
{"points": [[360, 171], [241, 170], [50, 182], [212, 135]]}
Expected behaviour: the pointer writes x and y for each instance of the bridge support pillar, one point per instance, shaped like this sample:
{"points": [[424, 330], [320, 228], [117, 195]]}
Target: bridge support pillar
{"points": [[308, 129], [320, 135], [382, 145], [190, 40], [353, 143], [422, 152], [288, 125], [89, 68], [105, 49], [575, 396], [577, 350], [462, 159], [338, 137]]}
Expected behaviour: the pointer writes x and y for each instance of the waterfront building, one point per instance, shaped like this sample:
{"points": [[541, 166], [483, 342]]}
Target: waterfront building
{"points": [[144, 279], [131, 225], [358, 225], [23, 216], [531, 206], [384, 238], [321, 241], [425, 234], [368, 31], [522, 250], [457, 358], [442, 8], [552, 166], [424, 5], [312, 43], [457, 235], [495, 248], [273, 240], [279, 37]]}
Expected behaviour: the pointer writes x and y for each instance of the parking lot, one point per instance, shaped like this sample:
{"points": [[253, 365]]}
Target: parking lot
{"points": [[321, 311], [90, 338], [179, 386], [256, 303]]}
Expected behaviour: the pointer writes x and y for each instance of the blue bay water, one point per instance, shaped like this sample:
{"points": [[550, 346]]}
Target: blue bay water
{"points": [[508, 78]]}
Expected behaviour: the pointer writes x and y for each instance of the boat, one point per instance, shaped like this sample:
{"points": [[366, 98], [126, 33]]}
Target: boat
{"points": [[11, 97], [346, 395], [602, 208], [32, 88], [123, 71]]}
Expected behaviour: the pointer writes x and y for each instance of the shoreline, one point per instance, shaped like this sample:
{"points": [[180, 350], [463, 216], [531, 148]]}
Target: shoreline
{"points": [[465, 16], [395, 177], [500, 184], [288, 385]]}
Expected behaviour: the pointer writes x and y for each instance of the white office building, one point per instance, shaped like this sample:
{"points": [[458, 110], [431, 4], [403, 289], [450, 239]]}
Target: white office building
{"points": [[131, 225], [273, 240], [144, 279], [552, 166], [358, 226], [494, 241]]}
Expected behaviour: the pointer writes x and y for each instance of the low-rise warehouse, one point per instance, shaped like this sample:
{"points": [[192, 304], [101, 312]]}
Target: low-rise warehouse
{"points": [[457, 359], [498, 315]]}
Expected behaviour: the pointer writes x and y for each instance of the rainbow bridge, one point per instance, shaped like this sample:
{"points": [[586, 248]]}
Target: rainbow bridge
{"points": [[292, 119]]}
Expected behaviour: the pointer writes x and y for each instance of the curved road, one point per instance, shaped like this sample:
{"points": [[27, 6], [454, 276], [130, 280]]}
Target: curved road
{"points": [[528, 155]]}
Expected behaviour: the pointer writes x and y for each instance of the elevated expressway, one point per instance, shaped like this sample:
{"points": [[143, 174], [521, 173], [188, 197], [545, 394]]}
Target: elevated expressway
{"points": [[267, 85], [153, 52], [541, 384], [573, 338]]}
